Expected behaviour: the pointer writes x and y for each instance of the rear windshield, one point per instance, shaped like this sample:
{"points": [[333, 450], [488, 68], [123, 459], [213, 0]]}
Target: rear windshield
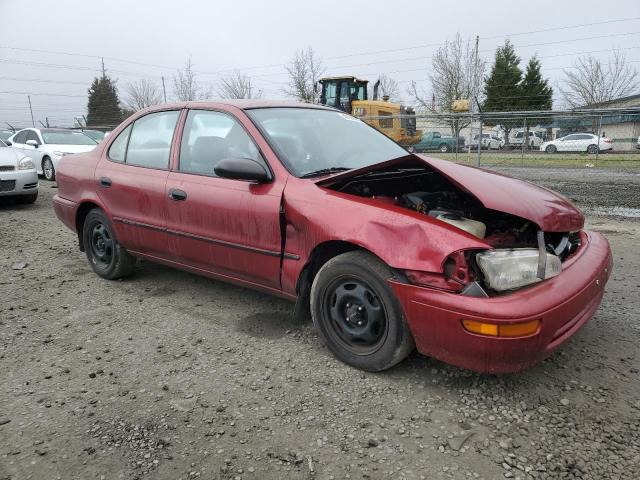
{"points": [[66, 138]]}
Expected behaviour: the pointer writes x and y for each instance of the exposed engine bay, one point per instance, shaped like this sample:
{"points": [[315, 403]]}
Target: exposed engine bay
{"points": [[430, 193]]}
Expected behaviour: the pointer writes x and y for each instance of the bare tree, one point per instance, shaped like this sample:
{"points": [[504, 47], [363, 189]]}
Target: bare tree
{"points": [[592, 81], [389, 87], [304, 72], [457, 74], [141, 94], [186, 86], [237, 85]]}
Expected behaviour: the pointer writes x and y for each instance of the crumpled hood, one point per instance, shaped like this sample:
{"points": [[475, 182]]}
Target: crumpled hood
{"points": [[549, 210]]}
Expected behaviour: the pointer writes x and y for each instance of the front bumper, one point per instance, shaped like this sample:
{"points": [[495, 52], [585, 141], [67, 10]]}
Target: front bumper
{"points": [[563, 304], [18, 182]]}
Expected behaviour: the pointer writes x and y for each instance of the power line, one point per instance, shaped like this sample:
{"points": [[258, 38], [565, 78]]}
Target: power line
{"points": [[375, 52]]}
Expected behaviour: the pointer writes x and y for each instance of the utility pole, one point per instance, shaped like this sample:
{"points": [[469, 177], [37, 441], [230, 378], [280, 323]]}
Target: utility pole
{"points": [[31, 110], [164, 90]]}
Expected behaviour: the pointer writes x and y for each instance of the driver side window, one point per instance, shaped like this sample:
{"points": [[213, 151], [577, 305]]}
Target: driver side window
{"points": [[209, 137], [31, 135]]}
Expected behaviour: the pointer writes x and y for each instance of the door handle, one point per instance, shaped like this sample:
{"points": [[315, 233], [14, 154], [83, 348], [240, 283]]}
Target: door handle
{"points": [[105, 181], [179, 195]]}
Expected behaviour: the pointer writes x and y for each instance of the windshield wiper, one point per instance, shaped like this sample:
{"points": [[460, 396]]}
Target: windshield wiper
{"points": [[324, 171]]}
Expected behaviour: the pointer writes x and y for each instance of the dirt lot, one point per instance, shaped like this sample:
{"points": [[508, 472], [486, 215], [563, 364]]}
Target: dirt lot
{"points": [[168, 375]]}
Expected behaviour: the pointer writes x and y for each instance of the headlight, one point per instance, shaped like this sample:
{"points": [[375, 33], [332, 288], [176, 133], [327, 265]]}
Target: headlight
{"points": [[59, 154], [26, 164], [514, 268]]}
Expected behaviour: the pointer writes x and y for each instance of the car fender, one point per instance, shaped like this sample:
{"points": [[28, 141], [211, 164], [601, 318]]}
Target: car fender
{"points": [[401, 238]]}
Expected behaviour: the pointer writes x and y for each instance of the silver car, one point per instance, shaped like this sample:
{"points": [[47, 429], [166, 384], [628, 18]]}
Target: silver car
{"points": [[18, 176]]}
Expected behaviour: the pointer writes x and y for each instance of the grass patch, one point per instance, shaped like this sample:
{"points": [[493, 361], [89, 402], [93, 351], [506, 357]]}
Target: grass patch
{"points": [[567, 160]]}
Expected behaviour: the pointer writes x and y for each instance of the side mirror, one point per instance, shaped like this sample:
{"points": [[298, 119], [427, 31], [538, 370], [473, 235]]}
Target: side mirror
{"points": [[242, 169], [8, 143], [33, 143]]}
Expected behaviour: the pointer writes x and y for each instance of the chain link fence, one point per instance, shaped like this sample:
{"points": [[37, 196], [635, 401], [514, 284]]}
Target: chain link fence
{"points": [[580, 138]]}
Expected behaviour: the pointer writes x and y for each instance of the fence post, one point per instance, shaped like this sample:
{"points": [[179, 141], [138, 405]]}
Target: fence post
{"points": [[479, 143], [599, 133], [525, 139]]}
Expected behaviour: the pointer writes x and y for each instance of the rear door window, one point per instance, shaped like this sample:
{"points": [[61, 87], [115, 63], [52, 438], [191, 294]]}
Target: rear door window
{"points": [[150, 140], [118, 149]]}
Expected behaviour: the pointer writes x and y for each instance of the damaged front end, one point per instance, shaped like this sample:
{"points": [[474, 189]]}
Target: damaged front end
{"points": [[520, 252]]}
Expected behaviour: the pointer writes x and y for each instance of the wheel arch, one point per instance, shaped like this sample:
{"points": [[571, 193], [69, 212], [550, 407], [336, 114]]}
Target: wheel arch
{"points": [[81, 214], [321, 254]]}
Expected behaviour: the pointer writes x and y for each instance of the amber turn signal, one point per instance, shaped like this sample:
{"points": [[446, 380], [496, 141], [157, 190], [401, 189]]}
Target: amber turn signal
{"points": [[507, 330]]}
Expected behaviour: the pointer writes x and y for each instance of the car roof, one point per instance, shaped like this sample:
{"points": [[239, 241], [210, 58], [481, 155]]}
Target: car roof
{"points": [[243, 104]]}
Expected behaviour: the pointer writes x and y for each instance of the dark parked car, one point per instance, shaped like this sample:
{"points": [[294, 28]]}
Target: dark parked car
{"points": [[387, 250]]}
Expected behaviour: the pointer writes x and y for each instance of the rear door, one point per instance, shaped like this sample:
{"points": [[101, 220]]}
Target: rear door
{"points": [[229, 227], [131, 178]]}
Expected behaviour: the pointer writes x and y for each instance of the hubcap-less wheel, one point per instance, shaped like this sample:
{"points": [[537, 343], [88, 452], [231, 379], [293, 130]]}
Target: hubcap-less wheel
{"points": [[592, 149], [47, 169], [101, 245], [358, 319]]}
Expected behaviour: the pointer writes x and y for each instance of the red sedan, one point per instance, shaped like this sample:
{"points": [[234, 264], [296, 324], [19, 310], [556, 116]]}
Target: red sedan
{"points": [[387, 250]]}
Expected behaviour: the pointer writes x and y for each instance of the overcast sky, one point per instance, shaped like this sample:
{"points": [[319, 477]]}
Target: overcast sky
{"points": [[365, 38]]}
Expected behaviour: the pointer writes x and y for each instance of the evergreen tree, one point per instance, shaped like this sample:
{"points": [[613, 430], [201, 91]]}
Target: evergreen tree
{"points": [[536, 92], [502, 86], [103, 108]]}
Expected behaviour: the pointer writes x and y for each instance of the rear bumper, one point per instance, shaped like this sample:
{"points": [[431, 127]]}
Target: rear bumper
{"points": [[563, 305], [18, 182], [65, 211]]}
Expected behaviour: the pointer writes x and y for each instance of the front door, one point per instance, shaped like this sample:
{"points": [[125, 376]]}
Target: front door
{"points": [[131, 179], [228, 227]]}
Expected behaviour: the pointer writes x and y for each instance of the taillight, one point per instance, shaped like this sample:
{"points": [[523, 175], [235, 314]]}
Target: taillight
{"points": [[607, 140]]}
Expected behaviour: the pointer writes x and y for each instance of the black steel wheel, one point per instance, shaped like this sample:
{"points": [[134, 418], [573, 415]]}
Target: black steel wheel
{"points": [[357, 314], [106, 256], [357, 318]]}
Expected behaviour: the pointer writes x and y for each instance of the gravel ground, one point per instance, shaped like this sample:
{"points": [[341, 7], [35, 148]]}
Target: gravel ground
{"points": [[168, 375]]}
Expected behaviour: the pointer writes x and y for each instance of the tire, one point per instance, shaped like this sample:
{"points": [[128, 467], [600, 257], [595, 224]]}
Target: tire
{"points": [[444, 148], [592, 149], [26, 199], [106, 256], [551, 149], [357, 314], [48, 170]]}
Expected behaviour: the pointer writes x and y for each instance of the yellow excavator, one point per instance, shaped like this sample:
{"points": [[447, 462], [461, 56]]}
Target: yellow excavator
{"points": [[349, 94]]}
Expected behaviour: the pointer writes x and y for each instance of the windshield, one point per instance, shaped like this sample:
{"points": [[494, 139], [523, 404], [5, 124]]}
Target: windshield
{"points": [[66, 138], [310, 140], [94, 134], [4, 134]]}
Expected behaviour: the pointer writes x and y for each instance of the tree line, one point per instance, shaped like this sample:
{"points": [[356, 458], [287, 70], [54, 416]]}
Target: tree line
{"points": [[457, 72]]}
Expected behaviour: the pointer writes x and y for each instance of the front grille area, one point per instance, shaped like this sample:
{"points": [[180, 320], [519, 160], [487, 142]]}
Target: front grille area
{"points": [[7, 185], [7, 168]]}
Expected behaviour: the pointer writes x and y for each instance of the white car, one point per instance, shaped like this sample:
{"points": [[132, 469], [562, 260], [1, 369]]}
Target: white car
{"points": [[489, 142], [535, 139], [578, 142], [46, 146], [18, 177], [638, 144]]}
